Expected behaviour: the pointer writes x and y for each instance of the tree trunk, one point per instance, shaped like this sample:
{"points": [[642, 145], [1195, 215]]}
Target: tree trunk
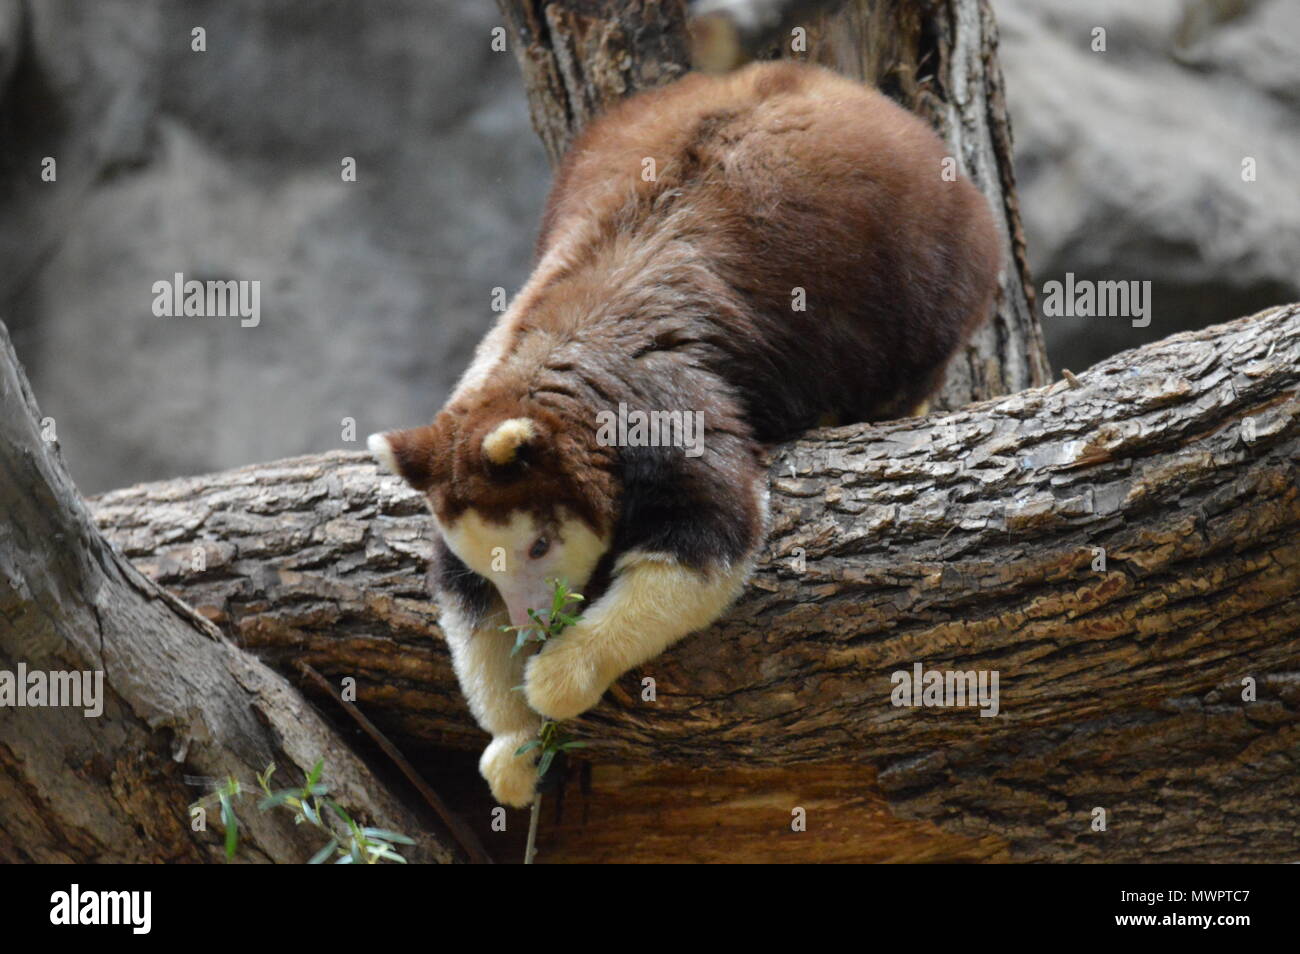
{"points": [[937, 58], [179, 700], [970, 540]]}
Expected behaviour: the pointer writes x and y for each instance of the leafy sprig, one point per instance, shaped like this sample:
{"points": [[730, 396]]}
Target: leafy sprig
{"points": [[552, 737], [348, 842], [540, 630]]}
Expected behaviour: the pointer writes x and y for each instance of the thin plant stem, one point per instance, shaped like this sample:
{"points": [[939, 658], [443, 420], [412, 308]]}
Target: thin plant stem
{"points": [[530, 852]]}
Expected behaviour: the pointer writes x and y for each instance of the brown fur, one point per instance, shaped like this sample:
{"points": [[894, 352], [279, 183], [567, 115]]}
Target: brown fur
{"points": [[675, 294]]}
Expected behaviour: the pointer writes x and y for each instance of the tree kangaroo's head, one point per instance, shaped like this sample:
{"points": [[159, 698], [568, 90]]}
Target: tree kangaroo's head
{"points": [[517, 493]]}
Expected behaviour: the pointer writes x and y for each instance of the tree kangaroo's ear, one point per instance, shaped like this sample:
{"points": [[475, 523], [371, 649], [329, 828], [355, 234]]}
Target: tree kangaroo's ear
{"points": [[409, 454], [502, 444]]}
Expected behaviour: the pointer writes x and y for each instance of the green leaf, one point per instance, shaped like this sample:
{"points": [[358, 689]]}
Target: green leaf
{"points": [[320, 856], [544, 763], [338, 810], [264, 780], [285, 796], [231, 824], [575, 744], [387, 836], [314, 775], [528, 746]]}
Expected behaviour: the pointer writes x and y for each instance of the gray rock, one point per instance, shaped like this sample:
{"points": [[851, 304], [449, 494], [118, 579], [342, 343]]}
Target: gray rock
{"points": [[1129, 161], [226, 164]]}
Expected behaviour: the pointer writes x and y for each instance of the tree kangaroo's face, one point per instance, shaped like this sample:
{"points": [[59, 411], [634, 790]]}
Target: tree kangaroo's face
{"points": [[522, 554], [498, 491]]}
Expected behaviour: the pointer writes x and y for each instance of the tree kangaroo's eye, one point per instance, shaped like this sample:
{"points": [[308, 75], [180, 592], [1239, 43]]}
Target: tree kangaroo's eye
{"points": [[539, 548]]}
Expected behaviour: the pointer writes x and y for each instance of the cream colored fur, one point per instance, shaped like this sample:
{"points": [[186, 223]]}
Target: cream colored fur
{"points": [[506, 438], [383, 452], [499, 553], [488, 673], [653, 602]]}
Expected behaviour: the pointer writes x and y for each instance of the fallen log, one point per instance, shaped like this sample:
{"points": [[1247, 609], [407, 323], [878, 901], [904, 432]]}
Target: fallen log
{"points": [[1123, 548]]}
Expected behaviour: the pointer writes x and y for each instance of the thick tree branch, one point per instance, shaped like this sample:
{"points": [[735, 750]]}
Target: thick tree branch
{"points": [[965, 540], [181, 700]]}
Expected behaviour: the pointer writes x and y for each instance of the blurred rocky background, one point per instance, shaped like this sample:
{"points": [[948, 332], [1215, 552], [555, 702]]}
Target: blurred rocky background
{"points": [[1129, 161], [225, 164]]}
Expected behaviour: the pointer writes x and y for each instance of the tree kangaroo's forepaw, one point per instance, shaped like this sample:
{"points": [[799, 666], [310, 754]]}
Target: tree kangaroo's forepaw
{"points": [[560, 682], [511, 777]]}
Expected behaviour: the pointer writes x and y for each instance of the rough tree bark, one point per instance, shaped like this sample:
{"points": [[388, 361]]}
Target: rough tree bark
{"points": [[968, 541], [180, 700], [936, 57]]}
